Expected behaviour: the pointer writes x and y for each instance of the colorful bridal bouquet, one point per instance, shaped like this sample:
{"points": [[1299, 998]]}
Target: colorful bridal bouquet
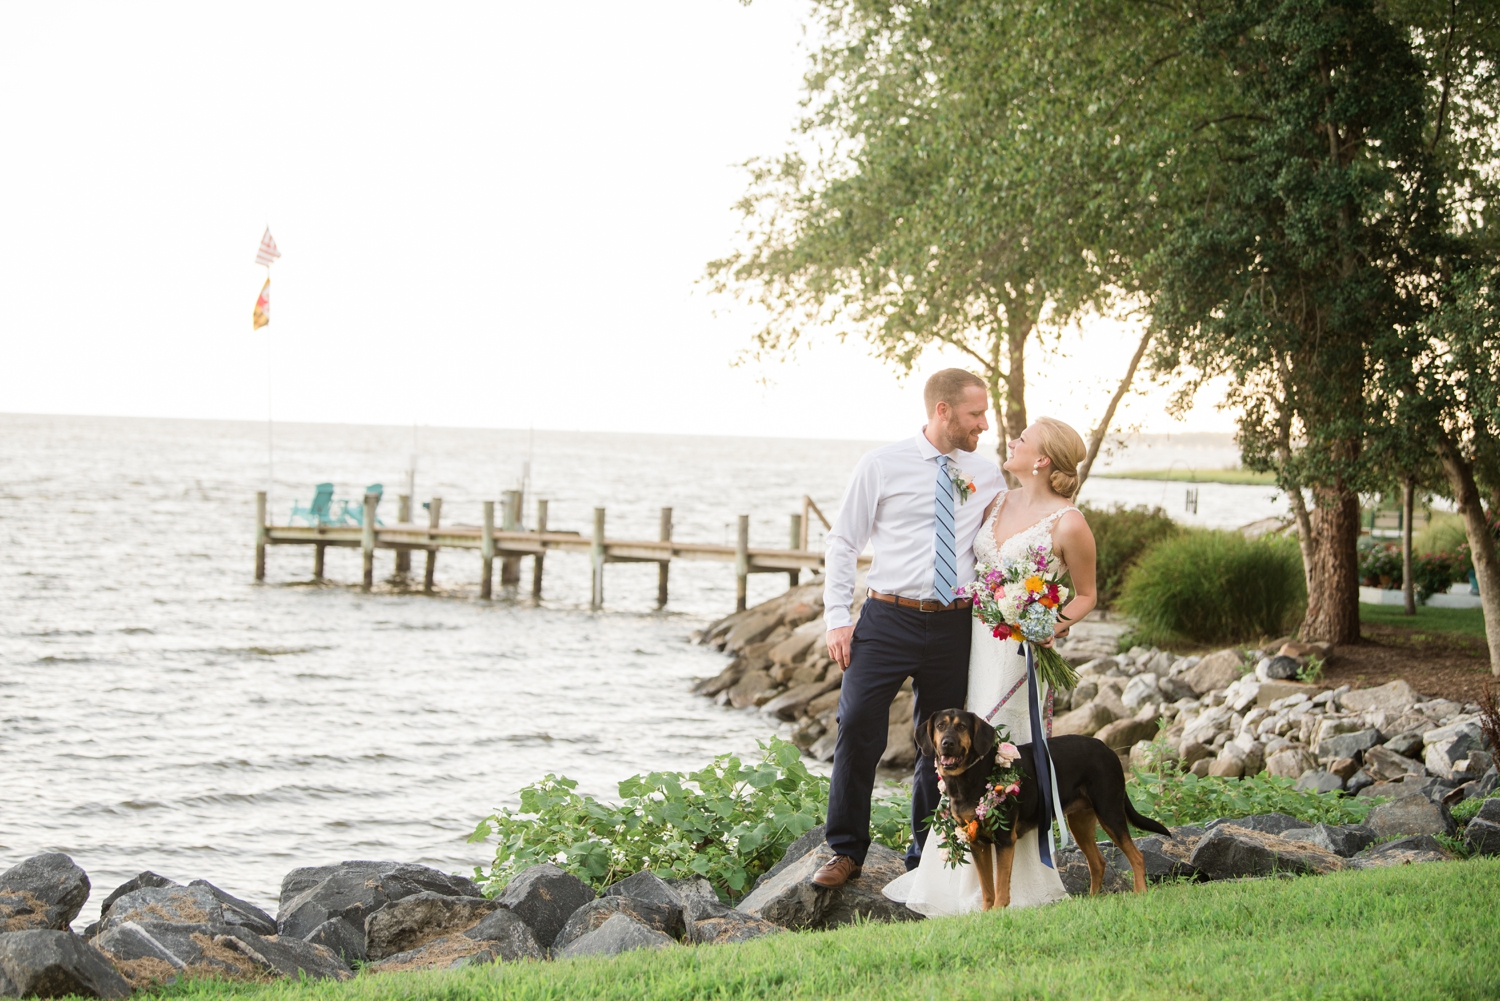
{"points": [[1022, 600], [993, 813]]}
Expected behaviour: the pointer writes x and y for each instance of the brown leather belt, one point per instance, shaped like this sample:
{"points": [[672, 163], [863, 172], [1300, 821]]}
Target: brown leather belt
{"points": [[922, 605]]}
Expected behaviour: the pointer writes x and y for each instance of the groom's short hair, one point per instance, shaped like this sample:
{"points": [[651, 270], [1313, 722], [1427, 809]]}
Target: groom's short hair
{"points": [[948, 386]]}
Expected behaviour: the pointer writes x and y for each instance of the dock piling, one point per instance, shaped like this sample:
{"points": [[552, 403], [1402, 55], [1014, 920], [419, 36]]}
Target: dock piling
{"points": [[661, 568], [367, 541], [796, 542], [536, 563], [318, 561], [260, 535], [741, 563], [596, 557], [487, 550], [510, 521], [434, 515], [403, 515]]}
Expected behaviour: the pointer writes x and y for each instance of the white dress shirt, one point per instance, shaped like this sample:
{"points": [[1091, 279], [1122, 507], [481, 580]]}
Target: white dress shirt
{"points": [[890, 501]]}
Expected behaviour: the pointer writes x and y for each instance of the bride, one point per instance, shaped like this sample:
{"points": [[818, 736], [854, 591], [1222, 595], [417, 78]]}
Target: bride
{"points": [[1045, 460]]}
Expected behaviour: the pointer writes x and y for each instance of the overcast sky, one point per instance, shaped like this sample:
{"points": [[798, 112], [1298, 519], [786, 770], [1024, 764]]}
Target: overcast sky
{"points": [[491, 215]]}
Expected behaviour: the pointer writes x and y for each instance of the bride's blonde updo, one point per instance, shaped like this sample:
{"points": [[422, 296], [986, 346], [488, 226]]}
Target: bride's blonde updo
{"points": [[1064, 447]]}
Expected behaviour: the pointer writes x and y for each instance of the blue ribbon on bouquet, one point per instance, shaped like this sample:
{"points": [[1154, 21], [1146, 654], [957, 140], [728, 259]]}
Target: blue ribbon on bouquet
{"points": [[1041, 760]]}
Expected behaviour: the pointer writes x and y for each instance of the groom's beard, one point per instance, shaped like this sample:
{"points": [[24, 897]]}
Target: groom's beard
{"points": [[963, 441]]}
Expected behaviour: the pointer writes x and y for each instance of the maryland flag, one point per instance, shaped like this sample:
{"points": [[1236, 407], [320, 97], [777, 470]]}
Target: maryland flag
{"points": [[263, 306]]}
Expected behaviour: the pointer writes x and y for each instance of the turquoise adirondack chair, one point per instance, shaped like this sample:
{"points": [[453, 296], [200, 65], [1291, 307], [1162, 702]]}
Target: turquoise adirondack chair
{"points": [[354, 513], [317, 512]]}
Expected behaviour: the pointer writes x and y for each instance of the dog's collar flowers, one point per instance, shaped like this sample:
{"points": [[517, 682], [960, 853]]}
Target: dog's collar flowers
{"points": [[992, 814]]}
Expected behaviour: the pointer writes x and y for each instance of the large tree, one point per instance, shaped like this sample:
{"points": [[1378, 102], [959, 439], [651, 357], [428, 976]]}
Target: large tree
{"points": [[969, 182]]}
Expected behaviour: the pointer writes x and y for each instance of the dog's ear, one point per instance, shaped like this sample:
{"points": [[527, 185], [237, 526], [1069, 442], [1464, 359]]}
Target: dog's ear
{"points": [[984, 736], [925, 742]]}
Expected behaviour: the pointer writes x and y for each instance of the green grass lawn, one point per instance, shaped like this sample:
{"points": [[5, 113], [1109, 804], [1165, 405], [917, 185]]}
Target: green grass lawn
{"points": [[1463, 621], [1423, 931], [1244, 476]]}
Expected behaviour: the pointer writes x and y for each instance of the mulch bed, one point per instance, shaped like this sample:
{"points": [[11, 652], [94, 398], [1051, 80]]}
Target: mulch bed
{"points": [[1439, 665]]}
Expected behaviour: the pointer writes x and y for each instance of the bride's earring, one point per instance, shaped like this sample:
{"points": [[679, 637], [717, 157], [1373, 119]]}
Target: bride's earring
{"points": [[1036, 470]]}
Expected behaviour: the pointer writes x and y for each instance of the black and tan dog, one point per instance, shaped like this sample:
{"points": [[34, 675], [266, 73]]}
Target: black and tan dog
{"points": [[1090, 783]]}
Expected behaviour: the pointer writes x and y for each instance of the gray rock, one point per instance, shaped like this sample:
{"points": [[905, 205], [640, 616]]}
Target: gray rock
{"points": [[1073, 870], [1489, 810], [1322, 782], [1410, 815], [664, 918], [405, 924], [181, 905], [1282, 668], [544, 897], [1230, 852], [1123, 734], [1458, 742], [712, 923], [697, 887], [240, 912], [137, 882], [618, 934], [648, 886], [1395, 698], [152, 952], [1482, 837], [794, 851], [1175, 688], [1405, 851], [1408, 745], [1265, 823], [355, 890], [1348, 745], [1388, 765], [1358, 781], [790, 899], [506, 936], [45, 891], [340, 937], [1215, 671], [48, 963], [1344, 841]]}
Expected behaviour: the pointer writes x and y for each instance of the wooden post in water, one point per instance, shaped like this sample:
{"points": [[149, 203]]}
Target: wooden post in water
{"points": [[661, 568], [796, 543], [318, 561], [367, 541], [741, 563], [434, 515], [403, 515], [260, 535], [536, 565], [510, 521], [596, 556], [487, 550]]}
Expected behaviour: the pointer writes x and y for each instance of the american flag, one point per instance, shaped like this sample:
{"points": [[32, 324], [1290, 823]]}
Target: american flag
{"points": [[267, 252]]}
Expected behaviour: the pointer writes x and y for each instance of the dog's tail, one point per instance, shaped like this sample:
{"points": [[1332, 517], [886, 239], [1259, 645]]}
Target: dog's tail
{"points": [[1142, 821]]}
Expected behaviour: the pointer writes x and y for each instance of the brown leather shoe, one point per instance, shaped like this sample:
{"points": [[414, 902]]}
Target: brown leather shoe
{"points": [[836, 872]]}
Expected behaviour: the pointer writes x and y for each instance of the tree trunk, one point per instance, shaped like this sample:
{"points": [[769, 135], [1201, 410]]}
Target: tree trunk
{"points": [[1333, 574], [1097, 438], [1408, 580], [1460, 473], [1018, 328]]}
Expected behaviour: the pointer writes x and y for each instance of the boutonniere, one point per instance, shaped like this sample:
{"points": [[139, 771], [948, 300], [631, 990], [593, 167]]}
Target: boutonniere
{"points": [[963, 484]]}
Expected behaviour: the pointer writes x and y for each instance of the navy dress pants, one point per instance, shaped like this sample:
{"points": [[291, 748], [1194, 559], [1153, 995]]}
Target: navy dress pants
{"points": [[892, 644]]}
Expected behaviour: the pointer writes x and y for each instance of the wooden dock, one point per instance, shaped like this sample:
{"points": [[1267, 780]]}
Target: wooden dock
{"points": [[510, 544]]}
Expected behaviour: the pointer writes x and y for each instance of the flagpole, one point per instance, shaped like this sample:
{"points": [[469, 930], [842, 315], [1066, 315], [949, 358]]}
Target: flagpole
{"points": [[270, 434]]}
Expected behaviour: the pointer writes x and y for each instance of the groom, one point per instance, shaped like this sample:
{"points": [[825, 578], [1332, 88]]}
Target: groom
{"points": [[903, 499]]}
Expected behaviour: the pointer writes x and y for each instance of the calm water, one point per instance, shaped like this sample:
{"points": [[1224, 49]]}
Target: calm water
{"points": [[159, 709]]}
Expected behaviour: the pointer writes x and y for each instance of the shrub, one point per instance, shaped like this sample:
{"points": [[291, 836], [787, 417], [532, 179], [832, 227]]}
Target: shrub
{"points": [[1121, 535], [1187, 799], [728, 823], [1380, 566], [1212, 587], [1444, 534]]}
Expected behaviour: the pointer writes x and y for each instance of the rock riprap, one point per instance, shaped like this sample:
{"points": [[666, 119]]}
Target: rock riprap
{"points": [[47, 963], [45, 891], [791, 899]]}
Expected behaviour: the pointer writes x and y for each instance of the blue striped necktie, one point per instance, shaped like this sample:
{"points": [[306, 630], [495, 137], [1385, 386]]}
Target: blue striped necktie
{"points": [[944, 557]]}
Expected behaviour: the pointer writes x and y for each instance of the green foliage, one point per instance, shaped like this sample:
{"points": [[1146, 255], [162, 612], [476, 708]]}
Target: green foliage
{"points": [[1215, 587], [1122, 534], [727, 823], [1419, 931], [1433, 572], [1379, 561], [1464, 812], [1176, 799], [1444, 533]]}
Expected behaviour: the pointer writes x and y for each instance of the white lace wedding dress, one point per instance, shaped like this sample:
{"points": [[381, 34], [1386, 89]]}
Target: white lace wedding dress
{"points": [[995, 668]]}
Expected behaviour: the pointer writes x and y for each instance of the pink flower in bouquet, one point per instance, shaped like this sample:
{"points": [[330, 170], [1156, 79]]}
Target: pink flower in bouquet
{"points": [[1014, 790], [1007, 753]]}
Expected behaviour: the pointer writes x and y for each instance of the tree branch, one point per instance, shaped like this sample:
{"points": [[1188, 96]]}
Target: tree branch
{"points": [[1097, 439]]}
